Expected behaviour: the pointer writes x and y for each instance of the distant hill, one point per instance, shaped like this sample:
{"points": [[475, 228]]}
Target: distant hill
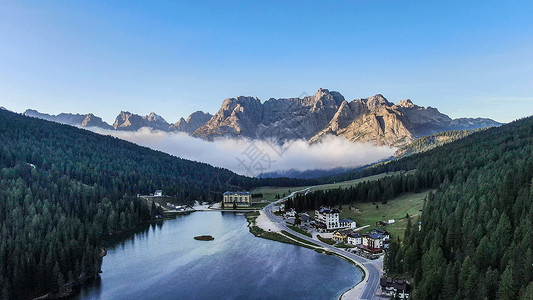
{"points": [[431, 141]]}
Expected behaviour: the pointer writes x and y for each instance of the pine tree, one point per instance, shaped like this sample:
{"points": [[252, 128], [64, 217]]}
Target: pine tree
{"points": [[507, 289]]}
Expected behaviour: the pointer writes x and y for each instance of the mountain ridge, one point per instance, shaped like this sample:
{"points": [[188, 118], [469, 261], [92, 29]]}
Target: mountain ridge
{"points": [[373, 120]]}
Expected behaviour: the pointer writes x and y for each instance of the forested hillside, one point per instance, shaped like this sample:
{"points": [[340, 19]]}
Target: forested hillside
{"points": [[476, 236], [432, 141], [476, 240], [62, 189]]}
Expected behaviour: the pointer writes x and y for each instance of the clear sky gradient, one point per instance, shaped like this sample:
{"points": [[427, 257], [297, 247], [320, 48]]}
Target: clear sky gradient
{"points": [[467, 58]]}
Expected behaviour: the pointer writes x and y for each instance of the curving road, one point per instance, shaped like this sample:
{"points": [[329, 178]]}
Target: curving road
{"points": [[371, 267]]}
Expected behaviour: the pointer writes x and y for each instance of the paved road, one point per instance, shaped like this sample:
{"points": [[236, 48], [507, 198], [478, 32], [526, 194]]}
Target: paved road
{"points": [[371, 281]]}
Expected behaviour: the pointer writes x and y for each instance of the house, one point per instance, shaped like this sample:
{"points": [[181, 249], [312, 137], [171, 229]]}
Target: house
{"points": [[347, 223], [391, 221], [373, 241], [328, 217], [238, 199], [319, 226], [305, 218], [341, 236], [354, 239], [291, 214], [158, 193], [383, 233], [395, 288]]}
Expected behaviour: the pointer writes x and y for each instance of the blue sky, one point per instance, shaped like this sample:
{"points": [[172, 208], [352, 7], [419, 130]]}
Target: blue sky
{"points": [[467, 58]]}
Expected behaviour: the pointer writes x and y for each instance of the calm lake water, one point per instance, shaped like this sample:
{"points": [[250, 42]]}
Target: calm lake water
{"points": [[165, 262]]}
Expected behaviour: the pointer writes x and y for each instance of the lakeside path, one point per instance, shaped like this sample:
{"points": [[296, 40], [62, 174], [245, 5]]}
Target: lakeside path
{"points": [[366, 289]]}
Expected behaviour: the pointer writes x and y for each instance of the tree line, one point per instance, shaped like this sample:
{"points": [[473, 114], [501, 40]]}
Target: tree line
{"points": [[475, 237], [64, 189]]}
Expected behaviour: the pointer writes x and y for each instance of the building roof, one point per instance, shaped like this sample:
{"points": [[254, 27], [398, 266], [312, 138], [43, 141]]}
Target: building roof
{"points": [[379, 231], [304, 216], [345, 231], [346, 221], [375, 236], [325, 210], [354, 235], [228, 193], [397, 284]]}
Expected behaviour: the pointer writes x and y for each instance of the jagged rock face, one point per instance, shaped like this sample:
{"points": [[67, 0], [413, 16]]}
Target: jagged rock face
{"points": [[236, 117], [193, 122], [94, 121], [88, 120], [280, 119], [373, 119], [132, 122]]}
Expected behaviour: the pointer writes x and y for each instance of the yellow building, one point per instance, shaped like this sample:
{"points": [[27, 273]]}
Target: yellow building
{"points": [[240, 199], [341, 236]]}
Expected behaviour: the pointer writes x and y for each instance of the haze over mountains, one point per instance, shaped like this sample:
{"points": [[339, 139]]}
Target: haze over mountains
{"points": [[374, 119]]}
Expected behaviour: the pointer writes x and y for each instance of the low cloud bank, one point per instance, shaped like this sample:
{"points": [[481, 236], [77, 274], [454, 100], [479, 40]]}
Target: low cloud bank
{"points": [[253, 157]]}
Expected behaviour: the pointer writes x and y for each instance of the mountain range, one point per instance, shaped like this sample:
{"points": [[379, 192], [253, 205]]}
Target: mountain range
{"points": [[374, 119]]}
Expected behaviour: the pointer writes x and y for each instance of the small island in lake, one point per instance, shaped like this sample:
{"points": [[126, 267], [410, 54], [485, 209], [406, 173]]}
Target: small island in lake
{"points": [[204, 238]]}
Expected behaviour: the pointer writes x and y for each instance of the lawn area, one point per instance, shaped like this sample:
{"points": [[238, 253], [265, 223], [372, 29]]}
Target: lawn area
{"points": [[396, 209], [326, 240], [299, 230], [346, 184], [344, 245], [270, 192]]}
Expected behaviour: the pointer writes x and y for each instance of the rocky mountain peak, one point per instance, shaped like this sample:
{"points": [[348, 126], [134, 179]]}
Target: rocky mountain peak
{"points": [[153, 117], [199, 115], [407, 103], [377, 101], [196, 120], [327, 97]]}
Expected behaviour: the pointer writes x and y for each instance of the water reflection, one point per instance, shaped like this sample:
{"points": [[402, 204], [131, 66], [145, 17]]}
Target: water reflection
{"points": [[163, 261]]}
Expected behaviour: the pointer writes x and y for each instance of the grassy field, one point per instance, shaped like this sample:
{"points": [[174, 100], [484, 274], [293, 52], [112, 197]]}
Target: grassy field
{"points": [[397, 208], [326, 240], [299, 230], [346, 184], [270, 192]]}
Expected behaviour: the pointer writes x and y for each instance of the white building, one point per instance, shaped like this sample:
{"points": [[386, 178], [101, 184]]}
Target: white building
{"points": [[354, 239], [373, 241], [291, 214], [395, 288], [328, 217], [239, 199], [158, 193], [347, 223], [384, 234]]}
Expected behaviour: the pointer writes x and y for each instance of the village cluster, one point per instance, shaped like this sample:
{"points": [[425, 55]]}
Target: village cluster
{"points": [[369, 245]]}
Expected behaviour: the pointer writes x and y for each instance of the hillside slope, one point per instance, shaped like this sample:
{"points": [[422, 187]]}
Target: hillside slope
{"points": [[62, 189], [476, 233], [432, 141]]}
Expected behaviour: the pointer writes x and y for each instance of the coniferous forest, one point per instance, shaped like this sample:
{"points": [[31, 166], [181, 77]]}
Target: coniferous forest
{"points": [[63, 189], [475, 238]]}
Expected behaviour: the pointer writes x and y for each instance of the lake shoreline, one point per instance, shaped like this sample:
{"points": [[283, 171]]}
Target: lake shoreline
{"points": [[263, 223]]}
